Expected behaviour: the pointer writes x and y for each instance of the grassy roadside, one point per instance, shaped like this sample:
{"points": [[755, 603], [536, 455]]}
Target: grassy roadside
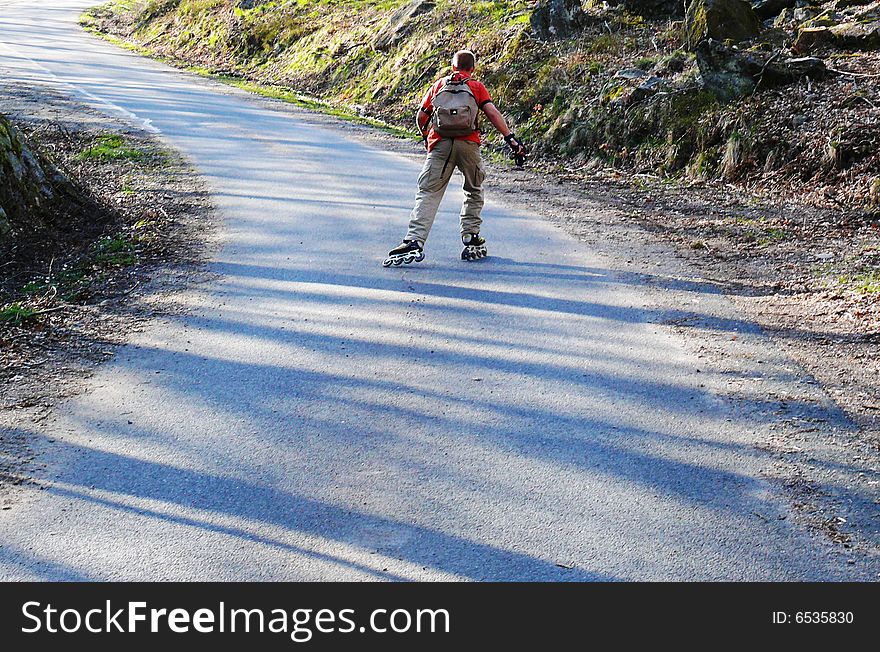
{"points": [[53, 267], [131, 225]]}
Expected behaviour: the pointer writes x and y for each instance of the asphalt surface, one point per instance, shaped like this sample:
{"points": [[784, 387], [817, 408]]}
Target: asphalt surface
{"points": [[316, 416]]}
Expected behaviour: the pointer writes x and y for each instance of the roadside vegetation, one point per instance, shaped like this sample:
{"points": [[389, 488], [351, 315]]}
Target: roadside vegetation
{"points": [[109, 147], [65, 243]]}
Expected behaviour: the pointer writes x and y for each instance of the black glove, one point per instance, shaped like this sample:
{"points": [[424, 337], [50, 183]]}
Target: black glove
{"points": [[517, 149]]}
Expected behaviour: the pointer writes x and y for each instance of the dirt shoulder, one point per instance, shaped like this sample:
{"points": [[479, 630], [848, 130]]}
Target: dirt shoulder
{"points": [[72, 298], [807, 276]]}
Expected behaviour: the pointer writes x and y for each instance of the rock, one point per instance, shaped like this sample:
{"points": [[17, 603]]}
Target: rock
{"points": [[803, 14], [653, 83], [30, 187], [857, 36], [5, 226], [730, 73], [788, 71], [765, 9], [846, 36], [554, 19], [785, 17], [670, 65], [723, 72], [823, 20], [721, 20], [811, 37], [631, 73], [629, 95], [844, 4], [874, 191], [400, 23], [631, 86]]}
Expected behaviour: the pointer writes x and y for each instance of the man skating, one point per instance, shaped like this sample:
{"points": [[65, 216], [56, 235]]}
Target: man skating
{"points": [[448, 120]]}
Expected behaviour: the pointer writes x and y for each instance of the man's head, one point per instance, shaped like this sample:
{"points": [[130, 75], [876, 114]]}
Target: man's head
{"points": [[464, 61]]}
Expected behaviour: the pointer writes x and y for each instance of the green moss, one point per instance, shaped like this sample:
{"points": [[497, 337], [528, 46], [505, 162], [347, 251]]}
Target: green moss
{"points": [[867, 282], [115, 251], [612, 92], [771, 236], [16, 313], [703, 166], [696, 24], [605, 43], [874, 191], [198, 6], [110, 147]]}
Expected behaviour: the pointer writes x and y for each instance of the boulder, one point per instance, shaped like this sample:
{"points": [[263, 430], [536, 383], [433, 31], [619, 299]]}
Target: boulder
{"points": [[721, 20], [765, 9], [857, 36], [400, 23], [631, 73], [731, 73], [631, 86], [26, 191], [554, 19], [803, 14], [846, 36], [843, 4], [785, 17], [809, 38], [34, 194]]}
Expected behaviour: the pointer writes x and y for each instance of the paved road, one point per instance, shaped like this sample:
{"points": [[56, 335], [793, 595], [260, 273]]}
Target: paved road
{"points": [[319, 417]]}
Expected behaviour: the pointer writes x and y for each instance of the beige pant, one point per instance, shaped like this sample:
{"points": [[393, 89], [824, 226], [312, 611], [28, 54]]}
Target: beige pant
{"points": [[439, 165]]}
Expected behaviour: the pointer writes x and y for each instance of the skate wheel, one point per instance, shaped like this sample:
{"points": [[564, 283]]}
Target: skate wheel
{"points": [[398, 262], [387, 262]]}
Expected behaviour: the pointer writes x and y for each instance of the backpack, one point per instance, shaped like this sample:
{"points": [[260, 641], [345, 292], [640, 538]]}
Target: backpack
{"points": [[455, 109]]}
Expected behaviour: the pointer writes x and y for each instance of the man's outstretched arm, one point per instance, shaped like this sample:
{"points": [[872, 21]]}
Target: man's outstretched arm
{"points": [[500, 124], [496, 118]]}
